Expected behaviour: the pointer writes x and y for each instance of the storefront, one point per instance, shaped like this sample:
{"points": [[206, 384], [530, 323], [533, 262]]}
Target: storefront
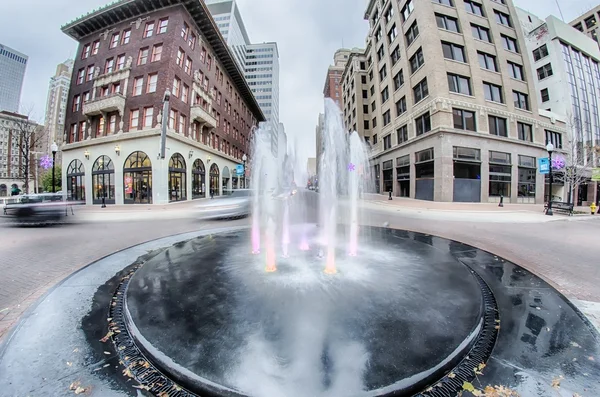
{"points": [[76, 181], [177, 178], [198, 180], [137, 179], [214, 180], [103, 180]]}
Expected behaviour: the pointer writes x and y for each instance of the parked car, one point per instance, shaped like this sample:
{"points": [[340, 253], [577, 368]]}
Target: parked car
{"points": [[235, 205], [36, 208]]}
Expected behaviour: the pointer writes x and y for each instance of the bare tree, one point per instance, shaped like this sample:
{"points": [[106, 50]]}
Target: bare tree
{"points": [[578, 157], [28, 136]]}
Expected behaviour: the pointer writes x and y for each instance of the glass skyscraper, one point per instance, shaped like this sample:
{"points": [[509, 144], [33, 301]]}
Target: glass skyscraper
{"points": [[12, 70]]}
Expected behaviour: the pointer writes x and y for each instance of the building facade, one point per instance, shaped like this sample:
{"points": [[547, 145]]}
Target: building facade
{"points": [[588, 24], [356, 97], [13, 155], [12, 72], [333, 87], [566, 70], [56, 105], [228, 18], [134, 60], [455, 115]]}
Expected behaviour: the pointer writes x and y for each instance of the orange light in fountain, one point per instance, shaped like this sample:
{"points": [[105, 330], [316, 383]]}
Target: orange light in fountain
{"points": [[271, 267], [330, 266]]}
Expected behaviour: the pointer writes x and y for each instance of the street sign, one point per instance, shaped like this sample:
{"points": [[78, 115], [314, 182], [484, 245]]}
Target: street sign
{"points": [[596, 174], [544, 165], [239, 169]]}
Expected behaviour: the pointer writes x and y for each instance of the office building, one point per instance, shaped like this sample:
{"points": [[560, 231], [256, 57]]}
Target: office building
{"points": [[12, 71], [56, 105], [588, 24], [132, 58], [228, 18], [356, 95], [453, 113], [566, 70]]}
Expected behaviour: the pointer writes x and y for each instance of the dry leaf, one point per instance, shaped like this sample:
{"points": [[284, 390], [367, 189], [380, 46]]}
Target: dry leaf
{"points": [[106, 365], [107, 353], [176, 387], [481, 366], [575, 344], [429, 389], [79, 390], [69, 364], [163, 394], [451, 375], [127, 372], [489, 390], [497, 327], [75, 350], [498, 321], [142, 387], [591, 358], [109, 319], [477, 393], [74, 385], [108, 335], [556, 382], [468, 386]]}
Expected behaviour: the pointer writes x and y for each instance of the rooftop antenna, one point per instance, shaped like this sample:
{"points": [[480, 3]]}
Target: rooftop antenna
{"points": [[560, 11]]}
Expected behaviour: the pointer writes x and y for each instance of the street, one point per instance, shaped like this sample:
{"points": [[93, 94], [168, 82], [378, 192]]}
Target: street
{"points": [[33, 260]]}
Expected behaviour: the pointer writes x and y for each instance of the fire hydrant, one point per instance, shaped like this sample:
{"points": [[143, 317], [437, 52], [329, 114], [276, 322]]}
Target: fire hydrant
{"points": [[593, 208]]}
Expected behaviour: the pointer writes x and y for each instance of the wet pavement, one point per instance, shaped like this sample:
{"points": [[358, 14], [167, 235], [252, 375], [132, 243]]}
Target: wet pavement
{"points": [[543, 340]]}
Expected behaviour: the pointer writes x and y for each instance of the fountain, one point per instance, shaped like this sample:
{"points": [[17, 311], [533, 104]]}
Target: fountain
{"points": [[306, 301]]}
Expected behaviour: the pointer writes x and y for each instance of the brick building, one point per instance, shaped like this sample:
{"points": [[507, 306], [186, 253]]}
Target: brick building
{"points": [[130, 55]]}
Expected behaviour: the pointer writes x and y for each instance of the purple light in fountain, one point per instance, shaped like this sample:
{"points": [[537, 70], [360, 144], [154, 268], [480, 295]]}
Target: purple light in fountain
{"points": [[351, 167], [46, 162]]}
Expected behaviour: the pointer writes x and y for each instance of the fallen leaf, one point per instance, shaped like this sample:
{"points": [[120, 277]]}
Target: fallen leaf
{"points": [[69, 364], [106, 365], [576, 395], [163, 394], [74, 385], [429, 389], [481, 366], [127, 372], [468, 386], [591, 358], [142, 387], [556, 382], [497, 327], [75, 350], [548, 329], [176, 387], [477, 393], [107, 336], [451, 375], [538, 308], [121, 348], [489, 390], [109, 319], [80, 390], [575, 344], [498, 321]]}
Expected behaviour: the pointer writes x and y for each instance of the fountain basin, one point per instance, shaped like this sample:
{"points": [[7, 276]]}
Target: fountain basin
{"points": [[393, 320]]}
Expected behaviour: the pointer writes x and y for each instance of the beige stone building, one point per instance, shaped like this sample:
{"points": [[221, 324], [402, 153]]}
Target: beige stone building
{"points": [[452, 107], [588, 24]]}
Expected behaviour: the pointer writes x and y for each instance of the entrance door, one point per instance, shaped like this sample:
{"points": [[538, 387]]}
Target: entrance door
{"points": [[142, 186]]}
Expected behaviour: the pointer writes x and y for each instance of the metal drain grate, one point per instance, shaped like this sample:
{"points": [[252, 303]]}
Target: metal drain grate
{"points": [[137, 366]]}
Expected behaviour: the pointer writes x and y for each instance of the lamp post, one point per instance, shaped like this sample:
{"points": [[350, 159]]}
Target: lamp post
{"points": [[54, 149], [244, 159], [550, 149]]}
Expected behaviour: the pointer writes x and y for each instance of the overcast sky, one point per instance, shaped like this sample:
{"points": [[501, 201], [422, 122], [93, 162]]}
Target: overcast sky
{"points": [[307, 32]]}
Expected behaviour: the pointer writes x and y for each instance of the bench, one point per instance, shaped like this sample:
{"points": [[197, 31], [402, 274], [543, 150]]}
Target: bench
{"points": [[560, 207]]}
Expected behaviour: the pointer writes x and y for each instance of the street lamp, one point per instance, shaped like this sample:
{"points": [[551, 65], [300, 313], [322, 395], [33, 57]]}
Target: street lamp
{"points": [[550, 149], [54, 149], [244, 159]]}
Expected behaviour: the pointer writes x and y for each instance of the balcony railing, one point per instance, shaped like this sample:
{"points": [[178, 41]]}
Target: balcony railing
{"points": [[111, 103], [202, 116]]}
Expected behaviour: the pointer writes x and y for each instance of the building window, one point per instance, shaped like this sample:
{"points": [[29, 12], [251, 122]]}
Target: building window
{"points": [[365, 109], [380, 53], [498, 126], [80, 76], [423, 124], [555, 138], [382, 73], [453, 51], [126, 37], [447, 22], [525, 131], [95, 47], [395, 55], [185, 92], [156, 52], [85, 52], [487, 61], [502, 18], [500, 171], [516, 71], [392, 33], [402, 134], [152, 80], [387, 118], [459, 84], [143, 56], [366, 124], [398, 80], [86, 97], [474, 8], [192, 41], [149, 29], [138, 83], [401, 106], [188, 66], [112, 124], [421, 90], [544, 71], [185, 31], [412, 34], [417, 60], [493, 92], [148, 114], [172, 119], [116, 88], [182, 124], [363, 80], [540, 52], [176, 87], [76, 103], [407, 10], [365, 94], [590, 22], [101, 126], [464, 119], [374, 123], [545, 95], [109, 65], [89, 76], [445, 2], [385, 95], [114, 41], [509, 43], [378, 34], [481, 33], [121, 62], [527, 176], [521, 100], [162, 25], [180, 57], [387, 142], [134, 119]]}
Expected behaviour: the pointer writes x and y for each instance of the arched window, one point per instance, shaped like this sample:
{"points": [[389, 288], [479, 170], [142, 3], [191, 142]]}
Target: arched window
{"points": [[198, 180], [76, 181], [214, 180], [225, 178], [3, 190], [137, 179], [103, 180], [177, 178]]}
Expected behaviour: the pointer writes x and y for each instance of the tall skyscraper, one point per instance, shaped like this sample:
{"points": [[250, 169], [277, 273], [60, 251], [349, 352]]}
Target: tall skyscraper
{"points": [[259, 62], [12, 70], [56, 105], [453, 114]]}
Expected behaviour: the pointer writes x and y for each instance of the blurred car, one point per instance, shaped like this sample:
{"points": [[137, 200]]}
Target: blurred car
{"points": [[36, 208], [235, 205]]}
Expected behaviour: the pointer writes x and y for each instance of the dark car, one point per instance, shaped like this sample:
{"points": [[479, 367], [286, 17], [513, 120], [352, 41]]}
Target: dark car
{"points": [[36, 208]]}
